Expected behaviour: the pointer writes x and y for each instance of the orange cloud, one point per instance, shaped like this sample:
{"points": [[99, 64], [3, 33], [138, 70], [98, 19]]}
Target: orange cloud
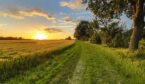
{"points": [[67, 21], [18, 14], [53, 30], [76, 4]]}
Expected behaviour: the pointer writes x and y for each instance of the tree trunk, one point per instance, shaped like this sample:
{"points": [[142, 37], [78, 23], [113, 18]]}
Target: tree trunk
{"points": [[138, 24], [135, 37]]}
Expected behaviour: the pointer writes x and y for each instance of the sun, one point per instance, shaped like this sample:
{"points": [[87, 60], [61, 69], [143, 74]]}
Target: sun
{"points": [[41, 36]]}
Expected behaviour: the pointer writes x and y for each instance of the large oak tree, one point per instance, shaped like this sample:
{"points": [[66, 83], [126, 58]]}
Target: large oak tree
{"points": [[134, 9]]}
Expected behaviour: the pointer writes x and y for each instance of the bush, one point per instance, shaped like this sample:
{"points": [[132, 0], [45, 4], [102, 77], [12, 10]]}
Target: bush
{"points": [[119, 40], [95, 38], [104, 37]]}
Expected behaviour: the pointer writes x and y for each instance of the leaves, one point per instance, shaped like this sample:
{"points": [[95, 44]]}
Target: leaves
{"points": [[110, 8], [83, 31]]}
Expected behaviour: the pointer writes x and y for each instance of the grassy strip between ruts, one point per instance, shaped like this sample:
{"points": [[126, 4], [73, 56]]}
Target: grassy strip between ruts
{"points": [[14, 67]]}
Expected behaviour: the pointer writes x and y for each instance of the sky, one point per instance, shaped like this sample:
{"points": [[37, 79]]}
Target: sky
{"points": [[55, 18]]}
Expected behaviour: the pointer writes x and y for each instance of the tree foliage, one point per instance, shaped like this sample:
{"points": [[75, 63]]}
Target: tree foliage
{"points": [[110, 9], [96, 39], [68, 38], [83, 31], [111, 34]]}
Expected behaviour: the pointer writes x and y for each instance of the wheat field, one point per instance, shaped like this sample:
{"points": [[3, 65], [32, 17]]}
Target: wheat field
{"points": [[11, 49]]}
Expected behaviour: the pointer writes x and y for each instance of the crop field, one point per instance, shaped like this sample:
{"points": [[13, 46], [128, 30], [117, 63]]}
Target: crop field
{"points": [[10, 49]]}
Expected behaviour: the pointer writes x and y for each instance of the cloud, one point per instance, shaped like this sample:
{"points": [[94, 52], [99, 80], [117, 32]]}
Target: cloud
{"points": [[75, 4], [66, 17], [67, 20], [53, 30], [19, 14], [70, 22], [62, 26], [1, 25]]}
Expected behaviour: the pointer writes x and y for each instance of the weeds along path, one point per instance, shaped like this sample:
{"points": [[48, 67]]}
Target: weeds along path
{"points": [[83, 63]]}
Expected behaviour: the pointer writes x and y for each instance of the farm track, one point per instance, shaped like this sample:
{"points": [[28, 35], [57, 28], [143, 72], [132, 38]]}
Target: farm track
{"points": [[83, 63]]}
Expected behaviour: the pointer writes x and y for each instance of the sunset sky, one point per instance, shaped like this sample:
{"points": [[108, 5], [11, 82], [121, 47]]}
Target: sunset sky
{"points": [[55, 18]]}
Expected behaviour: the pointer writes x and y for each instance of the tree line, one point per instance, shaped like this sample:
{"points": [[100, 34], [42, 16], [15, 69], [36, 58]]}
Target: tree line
{"points": [[11, 38], [108, 10], [112, 35]]}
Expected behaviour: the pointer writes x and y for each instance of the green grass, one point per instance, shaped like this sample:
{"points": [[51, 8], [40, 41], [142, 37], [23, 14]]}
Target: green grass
{"points": [[84, 63]]}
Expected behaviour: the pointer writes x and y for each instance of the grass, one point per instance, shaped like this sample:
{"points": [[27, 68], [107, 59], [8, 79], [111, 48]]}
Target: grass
{"points": [[84, 63]]}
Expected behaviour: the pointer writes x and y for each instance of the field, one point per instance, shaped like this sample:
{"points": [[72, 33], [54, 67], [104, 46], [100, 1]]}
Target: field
{"points": [[78, 63], [10, 49]]}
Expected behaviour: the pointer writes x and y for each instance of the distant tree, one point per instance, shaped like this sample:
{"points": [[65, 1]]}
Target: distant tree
{"points": [[134, 9], [11, 38], [68, 38], [83, 31]]}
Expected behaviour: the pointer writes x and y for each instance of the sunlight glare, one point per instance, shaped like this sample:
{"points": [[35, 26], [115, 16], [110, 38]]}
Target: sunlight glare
{"points": [[41, 36]]}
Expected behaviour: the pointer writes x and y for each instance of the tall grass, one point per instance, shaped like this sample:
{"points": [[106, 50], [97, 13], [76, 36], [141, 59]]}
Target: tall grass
{"points": [[127, 65]]}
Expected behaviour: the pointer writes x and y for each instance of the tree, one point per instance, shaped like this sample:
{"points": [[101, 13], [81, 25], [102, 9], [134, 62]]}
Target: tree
{"points": [[68, 38], [108, 33], [95, 24], [83, 31], [109, 9]]}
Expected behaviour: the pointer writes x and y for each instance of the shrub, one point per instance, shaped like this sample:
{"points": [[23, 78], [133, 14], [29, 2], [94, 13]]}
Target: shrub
{"points": [[95, 38], [117, 41]]}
